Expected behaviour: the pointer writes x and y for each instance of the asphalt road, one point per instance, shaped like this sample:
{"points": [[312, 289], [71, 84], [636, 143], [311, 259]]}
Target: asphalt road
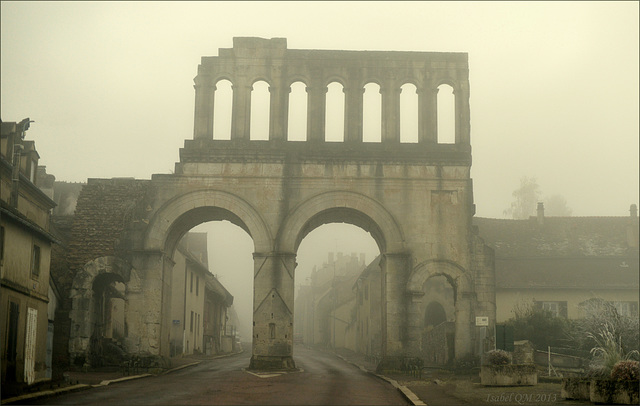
{"points": [[324, 379]]}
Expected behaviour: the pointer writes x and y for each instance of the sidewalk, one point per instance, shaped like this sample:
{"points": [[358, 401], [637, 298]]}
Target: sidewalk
{"points": [[82, 380], [441, 387], [418, 391]]}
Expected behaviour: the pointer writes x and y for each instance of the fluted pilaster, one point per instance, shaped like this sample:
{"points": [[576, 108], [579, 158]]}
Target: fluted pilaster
{"points": [[353, 115], [241, 113], [390, 113], [316, 111], [203, 111]]}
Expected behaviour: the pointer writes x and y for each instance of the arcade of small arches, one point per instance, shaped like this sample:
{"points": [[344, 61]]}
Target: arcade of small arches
{"points": [[334, 107], [316, 95]]}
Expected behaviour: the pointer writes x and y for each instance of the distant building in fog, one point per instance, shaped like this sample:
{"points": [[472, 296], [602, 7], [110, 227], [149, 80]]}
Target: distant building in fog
{"points": [[323, 308]]}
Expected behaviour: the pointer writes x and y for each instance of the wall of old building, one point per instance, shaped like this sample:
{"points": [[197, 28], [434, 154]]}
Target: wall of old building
{"points": [[508, 300], [24, 263]]}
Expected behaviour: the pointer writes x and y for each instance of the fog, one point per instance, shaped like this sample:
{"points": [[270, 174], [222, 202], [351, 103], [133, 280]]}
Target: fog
{"points": [[554, 93], [231, 258]]}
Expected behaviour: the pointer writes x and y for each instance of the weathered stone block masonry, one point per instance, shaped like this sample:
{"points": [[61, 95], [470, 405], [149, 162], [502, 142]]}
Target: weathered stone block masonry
{"points": [[416, 199]]}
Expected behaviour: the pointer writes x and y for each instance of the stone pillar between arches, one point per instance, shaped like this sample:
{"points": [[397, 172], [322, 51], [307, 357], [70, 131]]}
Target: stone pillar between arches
{"points": [[353, 114], [316, 112], [395, 270], [241, 113], [203, 110], [273, 294], [148, 303], [464, 325], [415, 323], [390, 114]]}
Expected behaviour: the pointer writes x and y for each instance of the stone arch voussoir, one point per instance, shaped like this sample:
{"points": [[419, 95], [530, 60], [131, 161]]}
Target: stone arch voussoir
{"points": [[290, 232], [173, 209], [427, 269]]}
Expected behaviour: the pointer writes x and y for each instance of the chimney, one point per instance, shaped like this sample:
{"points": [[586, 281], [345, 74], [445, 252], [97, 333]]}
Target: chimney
{"points": [[540, 213], [632, 228], [330, 258]]}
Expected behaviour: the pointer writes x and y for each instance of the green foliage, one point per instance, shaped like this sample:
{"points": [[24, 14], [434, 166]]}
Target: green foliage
{"points": [[498, 357], [539, 326], [626, 371]]}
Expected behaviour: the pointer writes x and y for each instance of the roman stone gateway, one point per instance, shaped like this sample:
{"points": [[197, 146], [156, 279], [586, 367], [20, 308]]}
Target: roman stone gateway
{"points": [[415, 199]]}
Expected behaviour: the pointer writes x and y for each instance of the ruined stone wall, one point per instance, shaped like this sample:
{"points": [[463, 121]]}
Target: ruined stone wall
{"points": [[104, 212]]}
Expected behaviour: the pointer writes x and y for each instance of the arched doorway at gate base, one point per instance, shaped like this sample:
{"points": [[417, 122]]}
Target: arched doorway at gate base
{"points": [[440, 283], [98, 317]]}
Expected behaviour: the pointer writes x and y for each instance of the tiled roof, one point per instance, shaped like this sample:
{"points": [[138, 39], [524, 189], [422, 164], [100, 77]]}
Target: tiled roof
{"points": [[558, 236], [564, 252]]}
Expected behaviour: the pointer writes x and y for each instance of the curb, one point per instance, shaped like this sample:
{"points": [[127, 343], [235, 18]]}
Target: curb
{"points": [[124, 378], [406, 392], [79, 387], [46, 394]]}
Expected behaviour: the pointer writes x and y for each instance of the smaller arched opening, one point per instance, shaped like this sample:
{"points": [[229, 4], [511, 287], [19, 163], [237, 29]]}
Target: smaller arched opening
{"points": [[108, 320], [372, 113], [297, 120], [260, 110], [99, 312], [408, 113], [438, 331], [446, 115], [334, 113], [222, 110], [449, 284]]}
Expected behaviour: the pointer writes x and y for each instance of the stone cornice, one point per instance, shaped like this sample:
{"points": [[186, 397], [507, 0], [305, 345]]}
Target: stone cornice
{"points": [[242, 151]]}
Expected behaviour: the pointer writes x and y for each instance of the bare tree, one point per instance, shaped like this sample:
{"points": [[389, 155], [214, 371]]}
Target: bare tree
{"points": [[526, 199], [556, 205]]}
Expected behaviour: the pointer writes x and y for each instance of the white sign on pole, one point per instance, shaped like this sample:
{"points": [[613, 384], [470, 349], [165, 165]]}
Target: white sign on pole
{"points": [[482, 321]]}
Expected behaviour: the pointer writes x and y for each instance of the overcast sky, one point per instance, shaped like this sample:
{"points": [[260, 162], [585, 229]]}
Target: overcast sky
{"points": [[554, 85]]}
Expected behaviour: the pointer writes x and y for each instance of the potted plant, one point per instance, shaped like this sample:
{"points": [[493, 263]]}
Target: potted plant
{"points": [[613, 377], [620, 387], [499, 371]]}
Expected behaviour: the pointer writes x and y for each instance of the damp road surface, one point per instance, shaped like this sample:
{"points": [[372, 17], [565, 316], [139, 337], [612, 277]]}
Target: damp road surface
{"points": [[323, 379]]}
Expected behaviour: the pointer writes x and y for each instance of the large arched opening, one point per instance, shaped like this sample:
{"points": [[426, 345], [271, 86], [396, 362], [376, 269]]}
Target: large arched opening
{"points": [[373, 219]]}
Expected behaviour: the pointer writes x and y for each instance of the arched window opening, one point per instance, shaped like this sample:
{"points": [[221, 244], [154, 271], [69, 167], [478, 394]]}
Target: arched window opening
{"points": [[297, 122], [446, 115], [222, 108], [260, 108], [372, 113], [334, 116], [408, 113]]}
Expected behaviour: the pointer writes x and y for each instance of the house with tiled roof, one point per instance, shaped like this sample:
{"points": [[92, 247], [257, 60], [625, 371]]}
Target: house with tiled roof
{"points": [[26, 241], [560, 263]]}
